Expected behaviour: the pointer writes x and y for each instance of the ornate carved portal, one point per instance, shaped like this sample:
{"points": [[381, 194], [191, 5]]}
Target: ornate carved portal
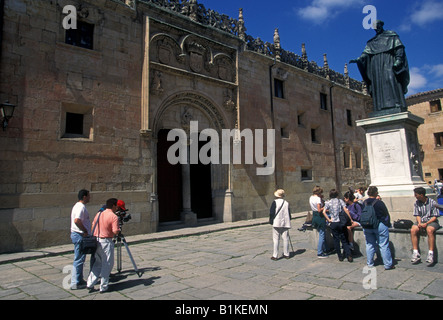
{"points": [[199, 189]]}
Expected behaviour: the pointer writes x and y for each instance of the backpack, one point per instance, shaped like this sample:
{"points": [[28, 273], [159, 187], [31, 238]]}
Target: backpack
{"points": [[368, 218]]}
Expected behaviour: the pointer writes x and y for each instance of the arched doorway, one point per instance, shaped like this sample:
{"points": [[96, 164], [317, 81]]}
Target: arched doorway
{"points": [[198, 191], [170, 185]]}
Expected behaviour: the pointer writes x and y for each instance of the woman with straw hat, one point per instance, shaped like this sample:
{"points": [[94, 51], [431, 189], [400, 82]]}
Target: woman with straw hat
{"points": [[280, 218]]}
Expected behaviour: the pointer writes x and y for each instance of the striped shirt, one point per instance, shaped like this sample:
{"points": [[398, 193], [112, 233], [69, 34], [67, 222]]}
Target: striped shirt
{"points": [[425, 210]]}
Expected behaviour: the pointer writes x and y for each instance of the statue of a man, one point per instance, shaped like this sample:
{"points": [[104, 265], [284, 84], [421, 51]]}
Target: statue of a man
{"points": [[384, 68]]}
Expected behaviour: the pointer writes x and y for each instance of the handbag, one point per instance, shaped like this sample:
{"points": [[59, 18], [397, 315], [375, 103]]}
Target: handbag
{"points": [[89, 243], [403, 224]]}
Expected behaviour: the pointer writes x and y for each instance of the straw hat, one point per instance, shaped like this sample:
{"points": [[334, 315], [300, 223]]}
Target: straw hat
{"points": [[280, 193]]}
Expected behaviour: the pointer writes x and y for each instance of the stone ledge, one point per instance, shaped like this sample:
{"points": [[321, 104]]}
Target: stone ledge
{"points": [[400, 242]]}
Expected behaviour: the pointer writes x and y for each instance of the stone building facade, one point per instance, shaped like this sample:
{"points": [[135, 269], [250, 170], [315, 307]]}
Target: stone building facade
{"points": [[95, 105], [428, 105]]}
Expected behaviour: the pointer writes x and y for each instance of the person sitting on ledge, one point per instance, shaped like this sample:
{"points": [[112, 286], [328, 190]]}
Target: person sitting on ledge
{"points": [[426, 213]]}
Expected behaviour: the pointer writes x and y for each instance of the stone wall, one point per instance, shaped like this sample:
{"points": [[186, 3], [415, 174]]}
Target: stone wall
{"points": [[41, 169], [420, 105], [155, 65]]}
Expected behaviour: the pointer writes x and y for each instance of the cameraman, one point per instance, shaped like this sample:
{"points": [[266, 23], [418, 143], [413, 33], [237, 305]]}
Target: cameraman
{"points": [[107, 228]]}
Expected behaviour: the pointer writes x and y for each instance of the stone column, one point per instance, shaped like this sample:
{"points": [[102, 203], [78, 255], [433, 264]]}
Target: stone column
{"points": [[187, 216]]}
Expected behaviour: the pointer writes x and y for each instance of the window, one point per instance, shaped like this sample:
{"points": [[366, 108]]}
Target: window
{"points": [[76, 121], [306, 174], [349, 117], [438, 139], [284, 131], [347, 157], [278, 87], [300, 119], [358, 158], [82, 37], [323, 101], [315, 138], [435, 106]]}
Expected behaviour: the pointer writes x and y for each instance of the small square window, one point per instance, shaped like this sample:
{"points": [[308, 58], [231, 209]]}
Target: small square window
{"points": [[278, 87], [300, 120], [323, 101], [76, 121], [358, 158], [306, 174], [315, 138], [438, 139], [435, 106], [82, 37], [284, 131], [349, 117]]}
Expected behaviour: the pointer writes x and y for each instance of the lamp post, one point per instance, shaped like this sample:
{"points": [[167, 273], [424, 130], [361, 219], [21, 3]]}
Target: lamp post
{"points": [[7, 111]]}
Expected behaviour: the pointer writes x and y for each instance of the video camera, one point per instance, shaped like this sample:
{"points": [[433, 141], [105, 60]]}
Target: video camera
{"points": [[121, 212], [123, 216]]}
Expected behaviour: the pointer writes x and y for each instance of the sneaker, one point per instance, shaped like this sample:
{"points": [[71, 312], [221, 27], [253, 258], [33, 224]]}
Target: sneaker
{"points": [[322, 256], [78, 286], [416, 258], [430, 258], [104, 290]]}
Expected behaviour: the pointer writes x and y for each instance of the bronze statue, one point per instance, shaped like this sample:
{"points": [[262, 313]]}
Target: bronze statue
{"points": [[384, 68]]}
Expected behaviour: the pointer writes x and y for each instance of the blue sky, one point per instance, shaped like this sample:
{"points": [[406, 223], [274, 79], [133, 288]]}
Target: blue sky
{"points": [[335, 27]]}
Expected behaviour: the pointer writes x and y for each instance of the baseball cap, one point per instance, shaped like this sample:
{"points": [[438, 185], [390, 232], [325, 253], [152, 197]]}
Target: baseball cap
{"points": [[121, 205]]}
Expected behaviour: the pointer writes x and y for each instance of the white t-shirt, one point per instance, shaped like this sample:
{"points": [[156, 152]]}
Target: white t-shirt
{"points": [[79, 212], [313, 201]]}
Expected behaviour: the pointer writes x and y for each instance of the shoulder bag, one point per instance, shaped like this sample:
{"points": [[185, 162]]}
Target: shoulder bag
{"points": [[89, 243]]}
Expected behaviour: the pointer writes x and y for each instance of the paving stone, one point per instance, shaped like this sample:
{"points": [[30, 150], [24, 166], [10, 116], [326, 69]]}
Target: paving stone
{"points": [[223, 265]]}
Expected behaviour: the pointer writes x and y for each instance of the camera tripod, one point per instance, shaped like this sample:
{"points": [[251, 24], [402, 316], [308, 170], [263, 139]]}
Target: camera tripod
{"points": [[119, 238]]}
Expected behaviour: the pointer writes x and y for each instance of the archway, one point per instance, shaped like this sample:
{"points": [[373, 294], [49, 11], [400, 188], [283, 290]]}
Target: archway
{"points": [[203, 185]]}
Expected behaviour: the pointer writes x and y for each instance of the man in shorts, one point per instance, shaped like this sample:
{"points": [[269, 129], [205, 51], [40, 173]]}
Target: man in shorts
{"points": [[426, 213]]}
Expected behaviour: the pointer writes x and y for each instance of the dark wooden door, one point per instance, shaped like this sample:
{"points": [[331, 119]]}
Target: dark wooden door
{"points": [[201, 191], [169, 182]]}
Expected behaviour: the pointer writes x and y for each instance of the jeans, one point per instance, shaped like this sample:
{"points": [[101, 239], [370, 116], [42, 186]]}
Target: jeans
{"points": [[321, 247], [340, 235], [79, 259], [378, 238]]}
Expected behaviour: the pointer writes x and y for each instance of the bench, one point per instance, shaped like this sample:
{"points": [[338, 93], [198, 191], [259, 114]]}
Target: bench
{"points": [[400, 242]]}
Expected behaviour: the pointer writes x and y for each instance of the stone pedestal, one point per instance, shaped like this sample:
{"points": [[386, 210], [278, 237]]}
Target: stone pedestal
{"points": [[394, 160]]}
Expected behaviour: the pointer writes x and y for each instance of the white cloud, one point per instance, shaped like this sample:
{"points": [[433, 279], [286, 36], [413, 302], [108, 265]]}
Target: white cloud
{"points": [[418, 81], [436, 70], [320, 10], [428, 12], [425, 78]]}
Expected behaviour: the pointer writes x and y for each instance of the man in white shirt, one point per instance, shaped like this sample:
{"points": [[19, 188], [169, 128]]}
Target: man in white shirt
{"points": [[80, 227]]}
